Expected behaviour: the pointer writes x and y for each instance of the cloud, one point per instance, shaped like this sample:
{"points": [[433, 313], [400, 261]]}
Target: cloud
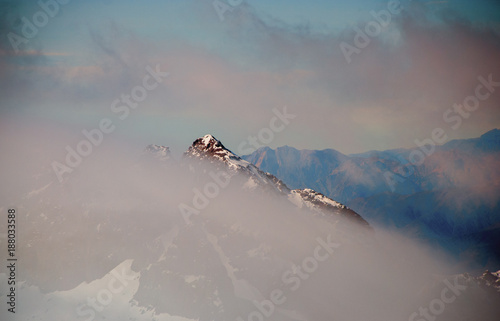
{"points": [[32, 53], [116, 207], [409, 75], [227, 76]]}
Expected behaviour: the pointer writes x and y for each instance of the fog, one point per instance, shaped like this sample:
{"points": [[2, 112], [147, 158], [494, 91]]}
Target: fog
{"points": [[244, 254]]}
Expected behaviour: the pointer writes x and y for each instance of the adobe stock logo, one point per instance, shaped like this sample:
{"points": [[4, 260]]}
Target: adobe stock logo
{"points": [[454, 116], [277, 124], [372, 29], [292, 279], [121, 107], [221, 180], [30, 28], [201, 198], [437, 306], [117, 284]]}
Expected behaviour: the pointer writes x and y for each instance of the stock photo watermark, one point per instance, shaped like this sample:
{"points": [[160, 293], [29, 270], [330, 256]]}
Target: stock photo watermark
{"points": [[202, 198], [453, 116], [120, 107], [104, 297], [292, 279], [437, 306], [372, 29], [221, 179], [31, 27], [266, 135]]}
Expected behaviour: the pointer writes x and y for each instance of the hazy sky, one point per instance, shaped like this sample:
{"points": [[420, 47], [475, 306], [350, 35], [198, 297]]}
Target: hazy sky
{"points": [[167, 72], [226, 75]]}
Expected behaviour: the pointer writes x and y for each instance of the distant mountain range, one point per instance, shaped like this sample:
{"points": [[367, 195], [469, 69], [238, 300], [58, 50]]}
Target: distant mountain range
{"points": [[209, 149], [451, 198], [113, 242]]}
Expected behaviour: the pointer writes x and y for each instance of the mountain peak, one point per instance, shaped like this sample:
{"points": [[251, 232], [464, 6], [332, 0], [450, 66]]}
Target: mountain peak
{"points": [[158, 151], [209, 139], [210, 147], [493, 134]]}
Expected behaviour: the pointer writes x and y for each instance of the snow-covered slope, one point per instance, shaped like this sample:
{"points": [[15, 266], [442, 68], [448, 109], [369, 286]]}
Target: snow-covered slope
{"points": [[450, 199], [109, 243], [160, 152], [210, 149], [320, 202], [490, 280]]}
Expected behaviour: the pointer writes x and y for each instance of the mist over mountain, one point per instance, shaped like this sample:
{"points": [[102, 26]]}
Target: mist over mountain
{"points": [[125, 195], [452, 198], [211, 237]]}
